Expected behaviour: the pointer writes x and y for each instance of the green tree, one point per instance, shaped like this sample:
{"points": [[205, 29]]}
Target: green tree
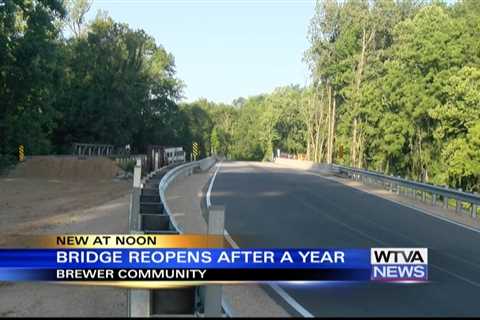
{"points": [[30, 73], [120, 89]]}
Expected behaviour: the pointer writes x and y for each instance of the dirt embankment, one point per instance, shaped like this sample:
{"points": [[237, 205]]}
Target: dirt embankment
{"points": [[51, 190], [56, 195], [68, 168]]}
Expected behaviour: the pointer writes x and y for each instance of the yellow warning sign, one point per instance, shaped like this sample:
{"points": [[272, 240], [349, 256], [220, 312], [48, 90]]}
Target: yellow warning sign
{"points": [[21, 153], [196, 150]]}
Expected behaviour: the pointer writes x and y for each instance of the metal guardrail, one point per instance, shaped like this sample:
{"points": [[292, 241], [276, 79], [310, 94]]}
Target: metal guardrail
{"points": [[207, 295], [141, 302], [182, 170], [144, 302], [92, 149], [413, 189]]}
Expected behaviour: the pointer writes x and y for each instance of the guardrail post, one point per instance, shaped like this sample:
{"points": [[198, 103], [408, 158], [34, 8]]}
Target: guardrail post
{"points": [[136, 192], [156, 161], [139, 303], [458, 204], [440, 196], [137, 174], [213, 293]]}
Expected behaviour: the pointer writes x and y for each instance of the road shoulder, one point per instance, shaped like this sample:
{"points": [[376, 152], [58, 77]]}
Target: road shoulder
{"points": [[185, 197], [461, 218]]}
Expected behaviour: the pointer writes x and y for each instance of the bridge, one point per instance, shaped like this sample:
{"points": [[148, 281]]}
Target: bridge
{"points": [[270, 206], [293, 203]]}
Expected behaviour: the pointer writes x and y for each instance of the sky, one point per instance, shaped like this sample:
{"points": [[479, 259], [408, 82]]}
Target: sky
{"points": [[224, 49]]}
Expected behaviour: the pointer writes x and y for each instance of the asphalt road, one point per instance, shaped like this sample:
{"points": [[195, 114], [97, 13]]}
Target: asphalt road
{"points": [[267, 206]]}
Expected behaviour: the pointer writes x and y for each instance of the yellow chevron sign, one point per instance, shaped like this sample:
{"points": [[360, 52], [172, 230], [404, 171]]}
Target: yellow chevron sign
{"points": [[21, 153], [196, 150]]}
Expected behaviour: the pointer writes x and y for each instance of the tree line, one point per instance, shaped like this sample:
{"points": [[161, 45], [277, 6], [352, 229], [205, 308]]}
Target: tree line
{"points": [[395, 88]]}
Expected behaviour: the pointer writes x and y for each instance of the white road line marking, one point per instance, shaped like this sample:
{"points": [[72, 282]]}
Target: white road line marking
{"points": [[299, 308], [282, 293], [177, 214], [292, 302], [423, 211], [411, 206], [415, 242], [230, 240], [431, 214], [381, 242], [209, 203], [456, 275]]}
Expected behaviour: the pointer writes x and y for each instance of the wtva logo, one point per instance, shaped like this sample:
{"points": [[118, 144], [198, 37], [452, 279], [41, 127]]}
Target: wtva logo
{"points": [[399, 264]]}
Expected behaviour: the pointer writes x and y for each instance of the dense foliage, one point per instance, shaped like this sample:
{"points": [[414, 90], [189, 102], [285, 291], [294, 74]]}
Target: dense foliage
{"points": [[405, 78], [395, 88], [104, 83]]}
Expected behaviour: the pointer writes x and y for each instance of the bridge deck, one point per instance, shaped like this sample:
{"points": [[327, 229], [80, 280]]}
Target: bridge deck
{"points": [[270, 206]]}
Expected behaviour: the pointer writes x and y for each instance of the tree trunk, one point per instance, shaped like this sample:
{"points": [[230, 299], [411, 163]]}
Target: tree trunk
{"points": [[334, 107], [329, 121], [332, 128], [357, 137], [353, 157]]}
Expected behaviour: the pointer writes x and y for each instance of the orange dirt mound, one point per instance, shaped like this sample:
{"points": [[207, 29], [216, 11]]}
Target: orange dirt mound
{"points": [[66, 168]]}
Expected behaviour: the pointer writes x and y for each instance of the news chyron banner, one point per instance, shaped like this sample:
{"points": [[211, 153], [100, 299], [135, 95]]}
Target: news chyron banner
{"points": [[156, 261]]}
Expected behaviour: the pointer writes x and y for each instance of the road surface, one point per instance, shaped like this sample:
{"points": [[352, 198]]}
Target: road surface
{"points": [[270, 206]]}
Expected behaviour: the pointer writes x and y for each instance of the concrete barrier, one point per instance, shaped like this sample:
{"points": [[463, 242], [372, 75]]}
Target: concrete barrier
{"points": [[323, 168], [207, 163]]}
